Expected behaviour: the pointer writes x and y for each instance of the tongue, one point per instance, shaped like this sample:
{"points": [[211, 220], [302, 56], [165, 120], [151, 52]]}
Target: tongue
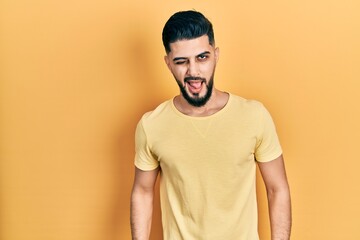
{"points": [[195, 84]]}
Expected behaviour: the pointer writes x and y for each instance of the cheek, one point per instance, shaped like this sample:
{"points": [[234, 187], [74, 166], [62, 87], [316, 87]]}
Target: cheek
{"points": [[207, 69], [179, 72]]}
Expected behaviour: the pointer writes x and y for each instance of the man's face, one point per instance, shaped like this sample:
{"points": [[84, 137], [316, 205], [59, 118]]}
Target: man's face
{"points": [[193, 62]]}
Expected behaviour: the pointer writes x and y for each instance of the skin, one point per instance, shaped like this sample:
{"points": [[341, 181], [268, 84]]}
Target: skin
{"points": [[197, 58], [142, 198], [278, 195]]}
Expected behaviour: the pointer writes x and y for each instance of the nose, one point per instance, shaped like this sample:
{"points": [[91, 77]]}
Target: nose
{"points": [[193, 69]]}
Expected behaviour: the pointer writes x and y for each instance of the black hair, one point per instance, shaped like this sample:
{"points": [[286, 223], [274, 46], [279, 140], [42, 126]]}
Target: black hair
{"points": [[185, 25]]}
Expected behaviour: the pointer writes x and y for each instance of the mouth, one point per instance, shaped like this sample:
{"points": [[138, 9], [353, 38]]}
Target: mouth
{"points": [[194, 84]]}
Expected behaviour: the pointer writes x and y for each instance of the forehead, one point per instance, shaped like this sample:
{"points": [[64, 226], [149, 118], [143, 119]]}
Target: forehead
{"points": [[190, 47]]}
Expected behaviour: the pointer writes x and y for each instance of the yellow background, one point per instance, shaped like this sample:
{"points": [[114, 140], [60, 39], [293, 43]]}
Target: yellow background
{"points": [[76, 76]]}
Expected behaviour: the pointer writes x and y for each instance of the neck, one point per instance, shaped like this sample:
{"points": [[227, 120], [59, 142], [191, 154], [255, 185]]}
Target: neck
{"points": [[216, 102]]}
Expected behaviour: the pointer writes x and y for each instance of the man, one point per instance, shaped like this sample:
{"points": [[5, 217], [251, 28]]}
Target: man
{"points": [[205, 144]]}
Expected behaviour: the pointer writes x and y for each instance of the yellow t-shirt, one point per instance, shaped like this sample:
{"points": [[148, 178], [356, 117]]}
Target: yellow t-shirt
{"points": [[208, 167]]}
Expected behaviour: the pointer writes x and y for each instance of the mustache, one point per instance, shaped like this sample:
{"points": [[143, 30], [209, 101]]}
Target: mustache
{"points": [[194, 78]]}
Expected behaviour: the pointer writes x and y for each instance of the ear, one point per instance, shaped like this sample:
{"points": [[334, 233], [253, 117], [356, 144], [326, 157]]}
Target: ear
{"points": [[167, 61], [217, 54]]}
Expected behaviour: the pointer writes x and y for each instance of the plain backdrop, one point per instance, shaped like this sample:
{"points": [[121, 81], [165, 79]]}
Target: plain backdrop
{"points": [[76, 76]]}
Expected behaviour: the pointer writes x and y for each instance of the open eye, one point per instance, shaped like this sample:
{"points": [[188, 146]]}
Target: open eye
{"points": [[202, 57]]}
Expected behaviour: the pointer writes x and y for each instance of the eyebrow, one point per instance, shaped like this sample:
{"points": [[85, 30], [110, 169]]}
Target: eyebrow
{"points": [[184, 58]]}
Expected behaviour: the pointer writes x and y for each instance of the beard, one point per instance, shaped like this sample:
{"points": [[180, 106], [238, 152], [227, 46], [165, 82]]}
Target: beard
{"points": [[196, 100]]}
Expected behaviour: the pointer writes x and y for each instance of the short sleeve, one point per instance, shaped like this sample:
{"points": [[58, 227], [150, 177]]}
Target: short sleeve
{"points": [[144, 159], [268, 147]]}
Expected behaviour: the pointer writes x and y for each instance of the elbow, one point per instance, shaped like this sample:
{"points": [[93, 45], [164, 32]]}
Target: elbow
{"points": [[280, 192]]}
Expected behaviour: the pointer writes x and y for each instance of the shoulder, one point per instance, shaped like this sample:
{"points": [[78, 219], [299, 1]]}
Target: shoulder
{"points": [[247, 105], [159, 112]]}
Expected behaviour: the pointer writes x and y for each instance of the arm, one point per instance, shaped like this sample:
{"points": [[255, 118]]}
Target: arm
{"points": [[142, 203], [278, 194]]}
